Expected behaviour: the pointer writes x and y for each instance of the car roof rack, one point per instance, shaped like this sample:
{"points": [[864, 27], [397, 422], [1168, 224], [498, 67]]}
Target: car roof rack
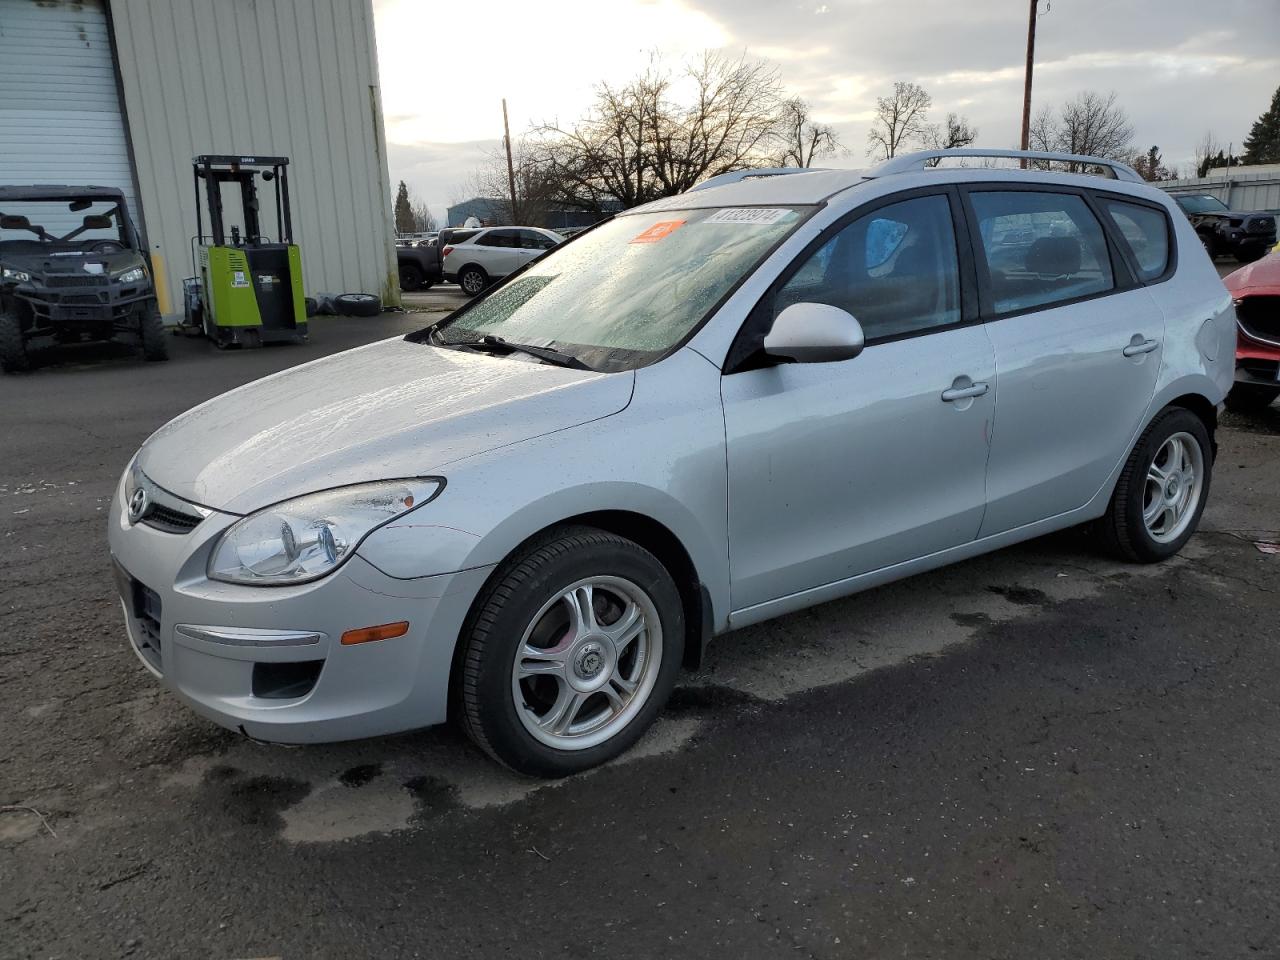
{"points": [[739, 175], [911, 162]]}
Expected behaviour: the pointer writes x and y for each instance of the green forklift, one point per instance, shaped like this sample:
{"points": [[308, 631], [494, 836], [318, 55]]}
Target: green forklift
{"points": [[247, 290]]}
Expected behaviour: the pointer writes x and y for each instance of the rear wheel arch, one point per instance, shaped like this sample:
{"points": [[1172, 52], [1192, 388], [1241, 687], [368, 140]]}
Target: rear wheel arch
{"points": [[1202, 407]]}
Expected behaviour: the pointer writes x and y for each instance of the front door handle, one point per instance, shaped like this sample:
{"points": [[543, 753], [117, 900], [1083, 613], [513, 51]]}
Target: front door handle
{"points": [[1139, 346], [964, 393]]}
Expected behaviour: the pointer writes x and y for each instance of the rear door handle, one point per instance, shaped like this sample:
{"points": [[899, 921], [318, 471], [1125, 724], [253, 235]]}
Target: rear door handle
{"points": [[964, 393], [1137, 345]]}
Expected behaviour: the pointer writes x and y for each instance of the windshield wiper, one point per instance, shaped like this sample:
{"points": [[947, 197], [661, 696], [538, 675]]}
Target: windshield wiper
{"points": [[548, 354], [491, 342]]}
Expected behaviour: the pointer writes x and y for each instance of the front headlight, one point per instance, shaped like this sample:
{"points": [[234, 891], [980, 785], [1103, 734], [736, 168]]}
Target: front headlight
{"points": [[131, 276], [20, 275], [309, 537]]}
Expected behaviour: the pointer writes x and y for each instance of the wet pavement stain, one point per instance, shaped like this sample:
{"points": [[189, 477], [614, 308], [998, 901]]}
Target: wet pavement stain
{"points": [[361, 775], [1023, 596]]}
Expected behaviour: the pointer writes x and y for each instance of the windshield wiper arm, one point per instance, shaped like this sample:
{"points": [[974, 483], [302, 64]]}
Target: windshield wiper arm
{"points": [[557, 357]]}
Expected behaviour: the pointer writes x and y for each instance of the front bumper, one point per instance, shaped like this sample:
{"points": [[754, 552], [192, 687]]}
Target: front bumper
{"points": [[268, 661], [55, 305], [1257, 361]]}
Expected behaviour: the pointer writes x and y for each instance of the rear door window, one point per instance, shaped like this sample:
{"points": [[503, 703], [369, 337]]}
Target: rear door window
{"points": [[1040, 248], [498, 238], [1146, 233]]}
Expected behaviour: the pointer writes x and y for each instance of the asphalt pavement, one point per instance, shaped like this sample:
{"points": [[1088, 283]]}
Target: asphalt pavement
{"points": [[1040, 753]]}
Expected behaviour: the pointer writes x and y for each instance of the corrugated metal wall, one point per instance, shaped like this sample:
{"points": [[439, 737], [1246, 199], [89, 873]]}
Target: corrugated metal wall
{"points": [[1239, 191], [297, 78]]}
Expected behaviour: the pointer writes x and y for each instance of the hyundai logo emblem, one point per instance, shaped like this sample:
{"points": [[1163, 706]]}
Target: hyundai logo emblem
{"points": [[138, 504]]}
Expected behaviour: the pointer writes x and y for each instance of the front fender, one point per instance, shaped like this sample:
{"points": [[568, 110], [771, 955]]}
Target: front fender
{"points": [[662, 458]]}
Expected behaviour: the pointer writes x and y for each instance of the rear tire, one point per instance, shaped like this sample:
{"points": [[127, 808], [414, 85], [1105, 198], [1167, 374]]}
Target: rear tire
{"points": [[1251, 397], [473, 280], [155, 346], [1157, 502], [357, 305], [410, 277], [570, 653], [13, 349]]}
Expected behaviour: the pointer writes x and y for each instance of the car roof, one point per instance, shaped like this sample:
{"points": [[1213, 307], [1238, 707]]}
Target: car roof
{"points": [[812, 186], [57, 191], [799, 188]]}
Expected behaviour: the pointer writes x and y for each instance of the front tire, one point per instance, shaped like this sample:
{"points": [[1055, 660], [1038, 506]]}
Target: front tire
{"points": [[155, 346], [1162, 490], [1251, 397], [472, 280], [570, 653], [13, 349]]}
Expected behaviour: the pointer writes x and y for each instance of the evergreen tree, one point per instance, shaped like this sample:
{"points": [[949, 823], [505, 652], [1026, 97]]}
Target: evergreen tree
{"points": [[404, 210], [1263, 143]]}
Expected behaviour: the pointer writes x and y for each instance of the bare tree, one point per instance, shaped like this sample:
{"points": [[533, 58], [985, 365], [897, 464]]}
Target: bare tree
{"points": [[1044, 130], [423, 220], [1090, 124], [1095, 125], [954, 132], [639, 142], [900, 119], [800, 139], [1207, 148]]}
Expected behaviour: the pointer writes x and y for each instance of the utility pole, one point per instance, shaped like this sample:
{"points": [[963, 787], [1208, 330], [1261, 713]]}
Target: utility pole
{"points": [[1026, 90], [511, 170]]}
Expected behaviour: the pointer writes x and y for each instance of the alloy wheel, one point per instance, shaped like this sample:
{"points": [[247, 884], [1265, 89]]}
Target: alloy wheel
{"points": [[587, 663], [1175, 483]]}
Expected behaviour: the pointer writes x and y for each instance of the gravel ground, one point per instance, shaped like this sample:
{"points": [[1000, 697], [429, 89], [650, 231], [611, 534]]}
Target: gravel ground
{"points": [[1039, 753]]}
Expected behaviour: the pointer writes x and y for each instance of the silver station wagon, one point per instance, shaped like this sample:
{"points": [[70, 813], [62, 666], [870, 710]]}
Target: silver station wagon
{"points": [[721, 407]]}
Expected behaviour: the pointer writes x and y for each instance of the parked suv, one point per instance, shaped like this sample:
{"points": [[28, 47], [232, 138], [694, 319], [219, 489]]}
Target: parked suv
{"points": [[711, 410], [1247, 236], [492, 253], [72, 268]]}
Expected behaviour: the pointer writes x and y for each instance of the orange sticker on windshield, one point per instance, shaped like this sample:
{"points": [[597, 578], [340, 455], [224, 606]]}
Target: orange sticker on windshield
{"points": [[663, 228]]}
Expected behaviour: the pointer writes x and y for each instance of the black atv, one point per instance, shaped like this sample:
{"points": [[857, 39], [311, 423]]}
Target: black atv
{"points": [[1247, 236], [72, 268]]}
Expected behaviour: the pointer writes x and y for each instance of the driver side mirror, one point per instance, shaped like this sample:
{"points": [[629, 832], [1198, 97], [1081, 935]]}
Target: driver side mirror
{"points": [[814, 333]]}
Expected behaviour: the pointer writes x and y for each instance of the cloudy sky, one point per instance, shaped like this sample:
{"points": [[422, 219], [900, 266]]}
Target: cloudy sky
{"points": [[1180, 67]]}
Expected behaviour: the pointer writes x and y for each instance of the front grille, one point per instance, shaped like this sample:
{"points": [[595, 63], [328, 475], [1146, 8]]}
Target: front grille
{"points": [[146, 617], [70, 280], [1260, 317], [1261, 225], [169, 520]]}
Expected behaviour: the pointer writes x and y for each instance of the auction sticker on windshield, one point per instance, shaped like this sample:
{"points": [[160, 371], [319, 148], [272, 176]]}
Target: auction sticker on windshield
{"points": [[765, 215], [663, 228]]}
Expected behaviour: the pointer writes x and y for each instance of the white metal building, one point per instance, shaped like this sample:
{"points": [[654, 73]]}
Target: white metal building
{"points": [[125, 92]]}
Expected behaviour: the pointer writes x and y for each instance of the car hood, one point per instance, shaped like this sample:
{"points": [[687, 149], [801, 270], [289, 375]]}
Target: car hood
{"points": [[1262, 277], [388, 410]]}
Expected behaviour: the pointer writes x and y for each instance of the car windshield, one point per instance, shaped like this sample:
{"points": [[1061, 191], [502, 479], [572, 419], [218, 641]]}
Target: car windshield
{"points": [[69, 225], [1202, 205], [629, 291]]}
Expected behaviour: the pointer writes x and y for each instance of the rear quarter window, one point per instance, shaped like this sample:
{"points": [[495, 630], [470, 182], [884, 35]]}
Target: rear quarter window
{"points": [[1146, 233]]}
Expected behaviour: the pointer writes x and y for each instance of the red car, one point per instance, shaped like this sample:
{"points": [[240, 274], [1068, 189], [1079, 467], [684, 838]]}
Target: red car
{"points": [[1256, 290]]}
